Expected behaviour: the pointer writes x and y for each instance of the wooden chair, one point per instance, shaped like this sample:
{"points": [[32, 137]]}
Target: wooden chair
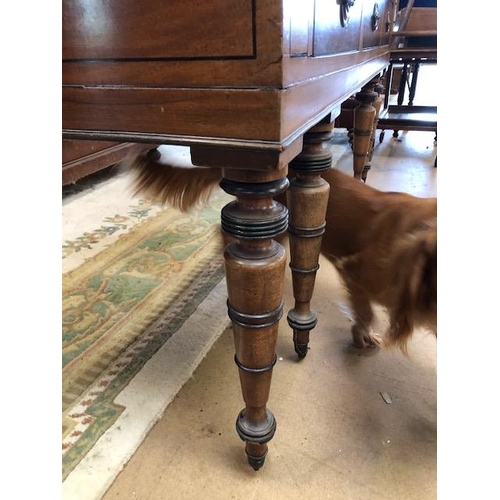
{"points": [[414, 43]]}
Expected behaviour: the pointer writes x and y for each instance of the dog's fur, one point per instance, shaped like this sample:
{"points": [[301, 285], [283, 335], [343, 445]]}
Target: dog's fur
{"points": [[384, 244]]}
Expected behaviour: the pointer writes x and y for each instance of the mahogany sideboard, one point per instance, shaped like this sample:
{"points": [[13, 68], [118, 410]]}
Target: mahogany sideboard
{"points": [[82, 158], [254, 87]]}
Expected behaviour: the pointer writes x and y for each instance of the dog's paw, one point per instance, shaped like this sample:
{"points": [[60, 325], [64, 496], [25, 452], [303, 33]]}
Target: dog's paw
{"points": [[364, 339]]}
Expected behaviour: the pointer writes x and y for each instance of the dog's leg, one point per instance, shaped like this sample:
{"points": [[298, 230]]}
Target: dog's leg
{"points": [[362, 334]]}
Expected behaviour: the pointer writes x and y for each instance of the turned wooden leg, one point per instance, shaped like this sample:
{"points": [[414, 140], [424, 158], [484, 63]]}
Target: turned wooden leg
{"points": [[307, 199], [377, 104], [388, 84], [364, 119], [413, 85], [402, 84], [255, 266]]}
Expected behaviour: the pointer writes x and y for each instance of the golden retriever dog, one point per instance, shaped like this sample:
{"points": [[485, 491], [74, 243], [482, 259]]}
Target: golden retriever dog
{"points": [[383, 244]]}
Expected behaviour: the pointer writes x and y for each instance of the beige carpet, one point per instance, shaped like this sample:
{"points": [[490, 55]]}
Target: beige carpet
{"points": [[337, 437]]}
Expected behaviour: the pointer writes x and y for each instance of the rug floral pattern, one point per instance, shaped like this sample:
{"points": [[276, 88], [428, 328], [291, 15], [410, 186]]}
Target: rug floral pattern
{"points": [[121, 305], [111, 225]]}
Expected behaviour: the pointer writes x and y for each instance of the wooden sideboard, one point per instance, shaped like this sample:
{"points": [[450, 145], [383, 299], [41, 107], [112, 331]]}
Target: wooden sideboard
{"points": [[81, 158], [254, 87]]}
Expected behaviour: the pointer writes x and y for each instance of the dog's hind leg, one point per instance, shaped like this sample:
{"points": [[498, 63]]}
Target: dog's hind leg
{"points": [[362, 334]]}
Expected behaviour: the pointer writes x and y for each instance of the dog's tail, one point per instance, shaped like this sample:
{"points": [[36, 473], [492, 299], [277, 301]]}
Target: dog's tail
{"points": [[182, 186], [417, 304]]}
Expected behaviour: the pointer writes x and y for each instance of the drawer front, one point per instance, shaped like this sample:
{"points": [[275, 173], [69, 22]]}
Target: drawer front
{"points": [[375, 23], [333, 35], [161, 29], [340, 27]]}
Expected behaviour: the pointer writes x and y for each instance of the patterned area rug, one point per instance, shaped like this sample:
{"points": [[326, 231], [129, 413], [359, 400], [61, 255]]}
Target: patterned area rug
{"points": [[130, 286]]}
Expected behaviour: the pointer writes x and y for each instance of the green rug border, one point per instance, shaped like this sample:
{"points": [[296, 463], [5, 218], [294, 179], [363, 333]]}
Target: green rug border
{"points": [[103, 408]]}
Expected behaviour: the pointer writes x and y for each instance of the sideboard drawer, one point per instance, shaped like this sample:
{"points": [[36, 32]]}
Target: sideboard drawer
{"points": [[363, 25], [157, 31], [249, 73], [330, 37], [375, 23]]}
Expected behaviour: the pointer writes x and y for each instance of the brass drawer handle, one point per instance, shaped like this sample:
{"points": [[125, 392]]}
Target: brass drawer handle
{"points": [[375, 17], [345, 5]]}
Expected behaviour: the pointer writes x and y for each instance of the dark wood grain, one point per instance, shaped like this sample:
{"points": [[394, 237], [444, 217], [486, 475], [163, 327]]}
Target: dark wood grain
{"points": [[83, 158], [155, 30]]}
